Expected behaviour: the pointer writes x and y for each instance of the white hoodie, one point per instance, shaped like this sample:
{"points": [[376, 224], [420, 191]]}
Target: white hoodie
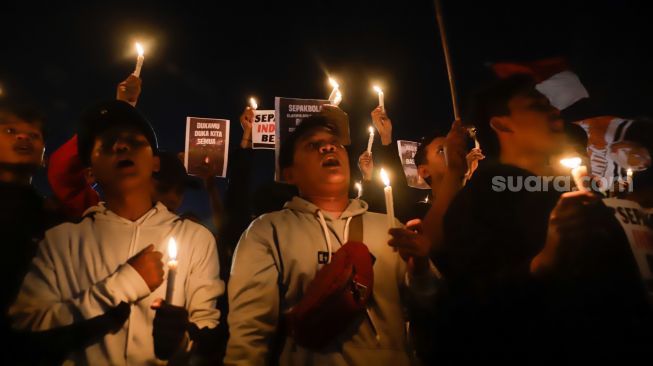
{"points": [[81, 270], [302, 231]]}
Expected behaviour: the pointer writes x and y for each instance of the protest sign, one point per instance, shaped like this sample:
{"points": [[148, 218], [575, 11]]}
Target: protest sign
{"points": [[637, 223], [263, 130], [407, 150], [207, 145]]}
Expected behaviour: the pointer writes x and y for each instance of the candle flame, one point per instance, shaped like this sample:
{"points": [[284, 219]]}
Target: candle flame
{"points": [[139, 49], [172, 249], [385, 178], [629, 173], [571, 163], [377, 89], [333, 83], [359, 187], [252, 103], [371, 129], [426, 200]]}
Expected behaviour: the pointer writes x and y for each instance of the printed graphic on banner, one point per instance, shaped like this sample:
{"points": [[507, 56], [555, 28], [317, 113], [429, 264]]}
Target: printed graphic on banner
{"points": [[407, 150], [637, 223], [207, 144], [612, 149], [289, 113], [263, 130]]}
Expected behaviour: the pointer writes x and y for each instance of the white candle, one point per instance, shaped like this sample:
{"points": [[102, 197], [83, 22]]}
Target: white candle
{"points": [[370, 141], [389, 202], [139, 60], [253, 104], [334, 91], [578, 171], [359, 187], [172, 269], [379, 91]]}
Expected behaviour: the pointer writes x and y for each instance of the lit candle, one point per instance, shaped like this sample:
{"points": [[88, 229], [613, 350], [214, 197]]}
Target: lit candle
{"points": [[578, 171], [337, 99], [379, 91], [359, 187], [172, 269], [389, 203], [139, 60], [629, 179], [253, 104], [472, 134], [334, 91], [370, 141]]}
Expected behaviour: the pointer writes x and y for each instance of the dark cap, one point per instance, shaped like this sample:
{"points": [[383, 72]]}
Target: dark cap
{"points": [[109, 114], [172, 173]]}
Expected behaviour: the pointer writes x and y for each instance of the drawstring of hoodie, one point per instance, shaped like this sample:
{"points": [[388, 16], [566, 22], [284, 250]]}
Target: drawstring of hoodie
{"points": [[327, 237]]}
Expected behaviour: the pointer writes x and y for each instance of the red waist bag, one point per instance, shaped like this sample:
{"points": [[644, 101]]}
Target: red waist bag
{"points": [[337, 295]]}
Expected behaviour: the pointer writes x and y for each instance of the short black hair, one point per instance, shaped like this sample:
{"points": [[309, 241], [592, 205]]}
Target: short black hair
{"points": [[420, 154], [306, 127], [492, 101], [24, 111]]}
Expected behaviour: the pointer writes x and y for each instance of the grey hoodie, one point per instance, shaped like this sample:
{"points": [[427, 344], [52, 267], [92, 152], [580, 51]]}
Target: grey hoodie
{"points": [[81, 270], [302, 231]]}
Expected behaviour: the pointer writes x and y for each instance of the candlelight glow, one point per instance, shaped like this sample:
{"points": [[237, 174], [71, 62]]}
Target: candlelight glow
{"points": [[371, 129], [629, 173], [571, 163], [385, 178], [377, 89], [333, 83], [338, 98], [359, 188], [139, 49], [252, 103], [172, 249]]}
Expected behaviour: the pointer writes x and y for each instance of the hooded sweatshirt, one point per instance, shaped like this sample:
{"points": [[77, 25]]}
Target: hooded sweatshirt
{"points": [[302, 231], [80, 271]]}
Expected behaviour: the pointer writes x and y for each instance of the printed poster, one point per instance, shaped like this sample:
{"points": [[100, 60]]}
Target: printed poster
{"points": [[637, 223], [407, 150], [207, 144], [264, 130]]}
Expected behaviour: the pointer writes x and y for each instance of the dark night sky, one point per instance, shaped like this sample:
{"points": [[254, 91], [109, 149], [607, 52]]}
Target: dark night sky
{"points": [[206, 59]]}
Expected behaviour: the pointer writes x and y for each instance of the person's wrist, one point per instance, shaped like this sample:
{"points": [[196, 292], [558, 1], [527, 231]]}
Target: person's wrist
{"points": [[386, 139]]}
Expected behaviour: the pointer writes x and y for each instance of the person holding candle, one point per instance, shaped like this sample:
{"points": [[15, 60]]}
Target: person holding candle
{"points": [[281, 252], [114, 254], [531, 270]]}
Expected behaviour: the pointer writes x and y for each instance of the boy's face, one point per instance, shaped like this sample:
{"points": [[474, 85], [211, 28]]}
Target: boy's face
{"points": [[435, 166], [21, 142], [122, 160], [320, 165], [534, 125]]}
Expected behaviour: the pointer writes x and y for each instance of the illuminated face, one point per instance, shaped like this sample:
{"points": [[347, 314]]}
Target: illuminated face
{"points": [[534, 125], [21, 142], [435, 165], [123, 160], [320, 165]]}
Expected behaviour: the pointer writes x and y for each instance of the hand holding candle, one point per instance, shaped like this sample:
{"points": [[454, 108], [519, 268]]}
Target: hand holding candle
{"points": [[379, 91], [139, 60], [370, 141], [172, 269], [389, 202]]}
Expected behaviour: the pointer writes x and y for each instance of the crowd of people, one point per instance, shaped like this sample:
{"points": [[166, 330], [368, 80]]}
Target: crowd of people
{"points": [[304, 272]]}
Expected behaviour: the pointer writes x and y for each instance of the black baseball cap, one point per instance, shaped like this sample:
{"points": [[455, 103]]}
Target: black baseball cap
{"points": [[109, 114]]}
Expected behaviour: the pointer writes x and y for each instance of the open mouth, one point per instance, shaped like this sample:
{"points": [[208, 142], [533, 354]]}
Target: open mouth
{"points": [[23, 148], [330, 162], [126, 163]]}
